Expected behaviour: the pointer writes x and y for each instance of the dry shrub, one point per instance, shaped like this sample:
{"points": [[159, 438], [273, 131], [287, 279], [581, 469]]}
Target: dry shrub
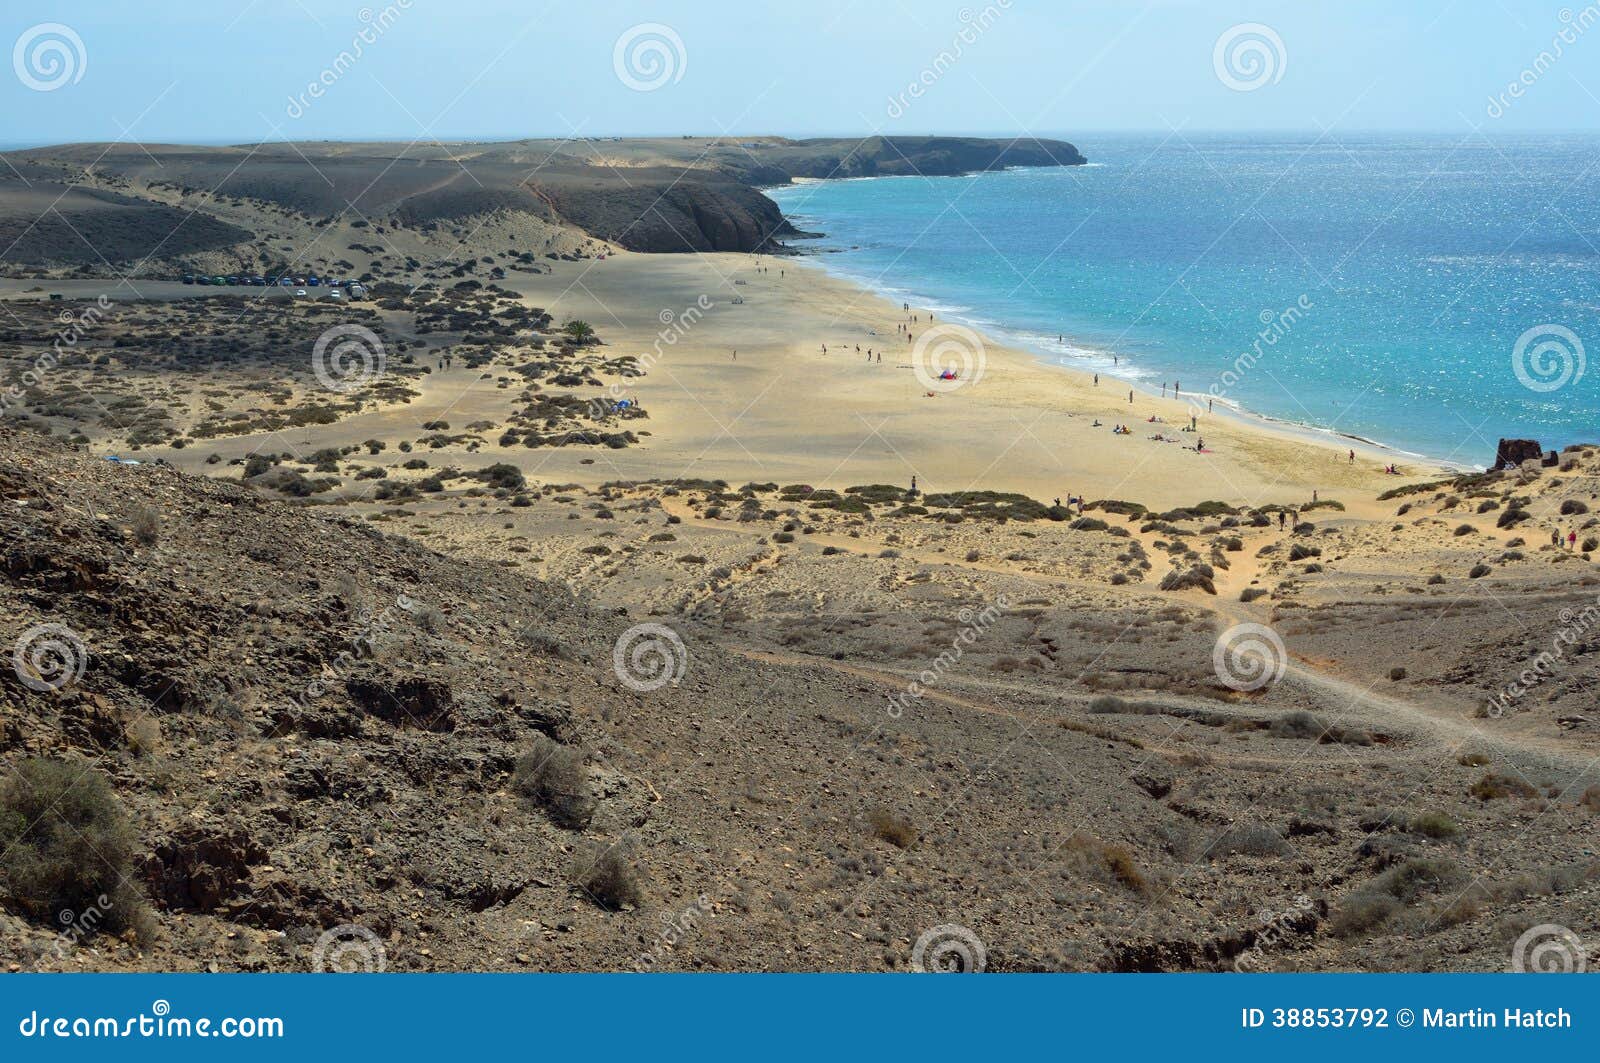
{"points": [[1111, 864], [556, 777], [145, 523], [894, 829], [1495, 786], [607, 874], [1251, 840], [1435, 825]]}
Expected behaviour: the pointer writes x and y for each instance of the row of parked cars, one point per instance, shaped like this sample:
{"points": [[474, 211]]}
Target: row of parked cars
{"points": [[299, 283]]}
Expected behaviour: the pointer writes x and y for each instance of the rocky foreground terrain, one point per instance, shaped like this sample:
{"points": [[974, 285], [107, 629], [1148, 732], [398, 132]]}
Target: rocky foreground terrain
{"points": [[698, 726]]}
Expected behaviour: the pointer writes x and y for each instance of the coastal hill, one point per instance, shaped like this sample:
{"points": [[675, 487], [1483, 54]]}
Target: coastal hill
{"points": [[163, 202]]}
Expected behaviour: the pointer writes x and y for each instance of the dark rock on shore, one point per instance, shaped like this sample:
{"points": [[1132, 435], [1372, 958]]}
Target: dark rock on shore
{"points": [[1513, 452]]}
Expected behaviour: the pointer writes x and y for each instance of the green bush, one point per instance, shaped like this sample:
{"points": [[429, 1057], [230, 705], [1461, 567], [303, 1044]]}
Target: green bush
{"points": [[66, 847]]}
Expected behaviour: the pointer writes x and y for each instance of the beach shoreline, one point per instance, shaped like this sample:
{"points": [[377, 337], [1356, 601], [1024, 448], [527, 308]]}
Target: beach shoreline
{"points": [[1140, 383], [1018, 336]]}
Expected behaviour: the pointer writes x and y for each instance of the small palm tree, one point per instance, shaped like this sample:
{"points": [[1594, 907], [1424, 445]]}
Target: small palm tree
{"points": [[580, 332]]}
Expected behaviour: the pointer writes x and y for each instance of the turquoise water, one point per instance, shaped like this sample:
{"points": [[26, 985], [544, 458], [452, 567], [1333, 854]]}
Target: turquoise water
{"points": [[1408, 267]]}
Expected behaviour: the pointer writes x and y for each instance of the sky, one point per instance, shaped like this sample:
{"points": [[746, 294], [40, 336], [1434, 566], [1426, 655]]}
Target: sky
{"points": [[236, 71]]}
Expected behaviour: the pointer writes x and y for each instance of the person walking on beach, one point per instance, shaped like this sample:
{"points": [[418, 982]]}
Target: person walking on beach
{"points": [[1163, 389], [736, 354], [1280, 520], [1177, 386], [1130, 397], [1313, 496], [1555, 537], [1572, 540], [1208, 404], [1352, 457], [1097, 380]]}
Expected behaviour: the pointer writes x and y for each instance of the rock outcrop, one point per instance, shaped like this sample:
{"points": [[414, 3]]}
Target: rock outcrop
{"points": [[1513, 452]]}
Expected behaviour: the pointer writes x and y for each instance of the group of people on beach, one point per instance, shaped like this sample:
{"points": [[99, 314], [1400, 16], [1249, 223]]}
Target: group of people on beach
{"points": [[1555, 539]]}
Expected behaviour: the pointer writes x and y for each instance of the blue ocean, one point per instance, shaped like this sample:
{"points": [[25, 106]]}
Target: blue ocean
{"points": [[1431, 293]]}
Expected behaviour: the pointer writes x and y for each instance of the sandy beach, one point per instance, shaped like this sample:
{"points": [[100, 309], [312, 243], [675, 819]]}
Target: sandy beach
{"points": [[784, 411]]}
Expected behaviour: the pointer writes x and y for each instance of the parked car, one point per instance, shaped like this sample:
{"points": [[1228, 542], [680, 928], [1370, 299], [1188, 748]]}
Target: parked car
{"points": [[231, 281], [285, 282], [333, 293], [202, 280], [300, 291], [219, 281], [312, 282], [188, 278]]}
